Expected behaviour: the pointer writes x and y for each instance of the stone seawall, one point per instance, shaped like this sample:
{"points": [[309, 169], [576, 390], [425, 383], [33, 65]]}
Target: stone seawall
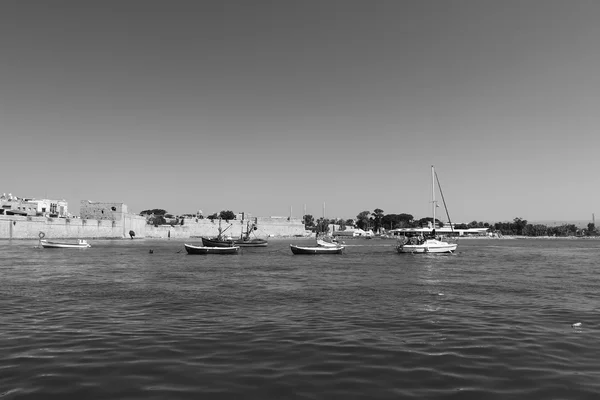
{"points": [[267, 227], [21, 227]]}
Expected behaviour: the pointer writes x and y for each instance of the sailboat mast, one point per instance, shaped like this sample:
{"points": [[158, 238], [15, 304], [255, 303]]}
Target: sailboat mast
{"points": [[433, 195]]}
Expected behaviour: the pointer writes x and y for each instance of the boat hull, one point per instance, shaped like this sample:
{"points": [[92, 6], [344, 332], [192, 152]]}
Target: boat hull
{"points": [[428, 247], [210, 250], [316, 250], [251, 243], [208, 242], [59, 245]]}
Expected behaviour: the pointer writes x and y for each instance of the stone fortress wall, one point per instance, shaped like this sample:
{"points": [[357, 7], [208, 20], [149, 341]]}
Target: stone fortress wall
{"points": [[112, 220], [20, 227], [267, 227]]}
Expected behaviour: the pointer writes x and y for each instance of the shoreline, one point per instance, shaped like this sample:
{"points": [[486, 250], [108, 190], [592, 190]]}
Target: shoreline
{"points": [[294, 237]]}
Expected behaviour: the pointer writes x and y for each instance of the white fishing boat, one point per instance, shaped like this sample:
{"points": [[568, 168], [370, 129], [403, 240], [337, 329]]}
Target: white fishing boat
{"points": [[430, 244], [80, 244]]}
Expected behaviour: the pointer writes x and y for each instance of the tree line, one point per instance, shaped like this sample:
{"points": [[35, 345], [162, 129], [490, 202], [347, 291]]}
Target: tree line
{"points": [[378, 221]]}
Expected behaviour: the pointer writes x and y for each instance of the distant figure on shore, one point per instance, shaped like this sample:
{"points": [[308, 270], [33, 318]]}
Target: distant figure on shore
{"points": [[132, 234]]}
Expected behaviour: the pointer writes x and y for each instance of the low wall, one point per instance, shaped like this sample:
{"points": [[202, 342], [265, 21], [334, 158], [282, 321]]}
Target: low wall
{"points": [[17, 227], [22, 227]]}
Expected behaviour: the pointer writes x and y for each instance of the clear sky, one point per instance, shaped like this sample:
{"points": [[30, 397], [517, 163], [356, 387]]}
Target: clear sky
{"points": [[259, 106]]}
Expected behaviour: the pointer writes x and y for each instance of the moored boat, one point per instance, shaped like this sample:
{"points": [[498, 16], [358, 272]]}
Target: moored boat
{"points": [[80, 244], [255, 242], [217, 242], [316, 249], [431, 244], [245, 240], [428, 246], [191, 249]]}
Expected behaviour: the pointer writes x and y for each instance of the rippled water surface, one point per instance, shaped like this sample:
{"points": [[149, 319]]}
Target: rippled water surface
{"points": [[114, 321]]}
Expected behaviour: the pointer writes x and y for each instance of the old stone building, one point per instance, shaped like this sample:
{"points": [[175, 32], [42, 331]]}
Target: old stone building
{"points": [[102, 211]]}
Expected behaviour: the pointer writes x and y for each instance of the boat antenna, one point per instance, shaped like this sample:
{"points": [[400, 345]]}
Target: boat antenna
{"points": [[444, 201]]}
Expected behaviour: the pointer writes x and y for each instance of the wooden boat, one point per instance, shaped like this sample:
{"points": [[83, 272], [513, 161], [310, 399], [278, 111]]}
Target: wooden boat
{"points": [[216, 242], [255, 242], [316, 249], [81, 244], [431, 244], [244, 241], [191, 249], [219, 240]]}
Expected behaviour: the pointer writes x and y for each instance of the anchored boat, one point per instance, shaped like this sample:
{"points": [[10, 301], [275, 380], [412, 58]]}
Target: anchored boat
{"points": [[191, 249], [81, 244], [430, 244], [244, 241], [316, 249]]}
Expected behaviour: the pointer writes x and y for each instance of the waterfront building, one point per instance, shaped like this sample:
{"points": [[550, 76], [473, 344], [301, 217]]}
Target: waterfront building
{"points": [[14, 205]]}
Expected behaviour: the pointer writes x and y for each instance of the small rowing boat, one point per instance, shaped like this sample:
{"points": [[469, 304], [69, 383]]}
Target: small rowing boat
{"points": [[81, 244], [191, 249], [316, 250]]}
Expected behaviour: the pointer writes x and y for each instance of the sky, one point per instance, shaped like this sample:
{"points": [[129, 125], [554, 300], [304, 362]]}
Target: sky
{"points": [[276, 107]]}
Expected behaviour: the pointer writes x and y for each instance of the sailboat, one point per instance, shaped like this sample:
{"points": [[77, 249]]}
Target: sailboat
{"points": [[430, 244]]}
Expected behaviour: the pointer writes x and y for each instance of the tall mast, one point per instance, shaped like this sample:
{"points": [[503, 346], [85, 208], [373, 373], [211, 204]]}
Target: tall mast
{"points": [[433, 195]]}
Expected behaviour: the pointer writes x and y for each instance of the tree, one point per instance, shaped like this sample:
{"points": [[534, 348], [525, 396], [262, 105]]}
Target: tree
{"points": [[227, 215], [591, 229], [405, 219], [309, 221], [212, 217], [322, 225], [155, 211], [156, 220], [362, 219], [519, 225], [377, 217], [349, 222]]}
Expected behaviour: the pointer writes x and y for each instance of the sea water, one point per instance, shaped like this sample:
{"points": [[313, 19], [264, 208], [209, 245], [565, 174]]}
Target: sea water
{"points": [[494, 321]]}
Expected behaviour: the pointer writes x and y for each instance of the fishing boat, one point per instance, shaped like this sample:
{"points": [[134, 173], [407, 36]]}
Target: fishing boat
{"points": [[219, 240], [254, 242], [216, 242], [316, 249], [431, 243], [80, 244], [191, 249], [245, 240]]}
